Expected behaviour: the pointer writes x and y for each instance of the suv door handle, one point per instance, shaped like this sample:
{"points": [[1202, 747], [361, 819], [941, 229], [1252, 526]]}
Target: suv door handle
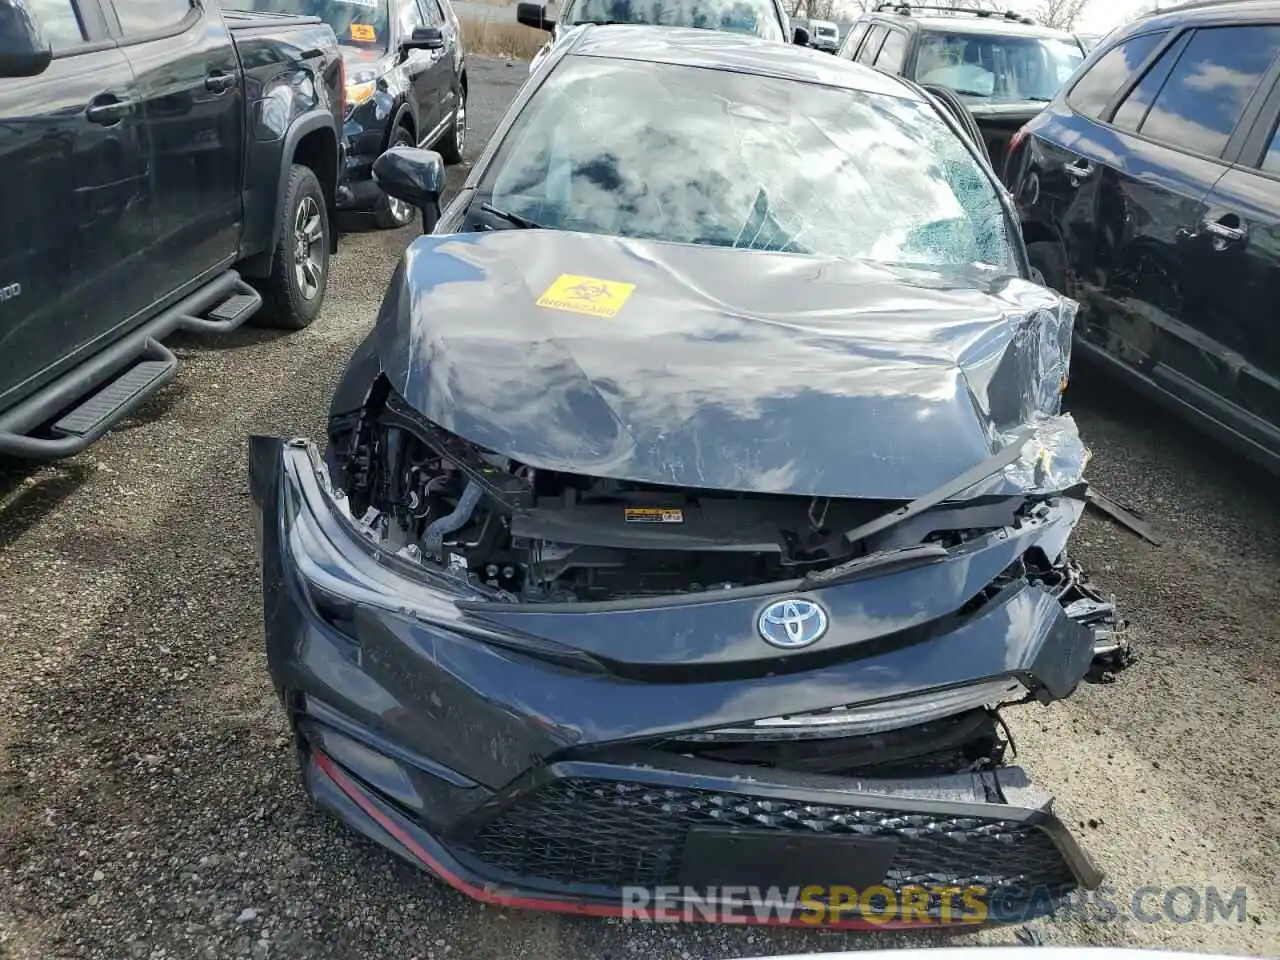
{"points": [[1079, 170], [108, 109], [219, 82], [1224, 232]]}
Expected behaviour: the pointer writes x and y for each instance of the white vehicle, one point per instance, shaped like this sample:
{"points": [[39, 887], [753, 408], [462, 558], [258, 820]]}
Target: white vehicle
{"points": [[824, 35], [763, 18]]}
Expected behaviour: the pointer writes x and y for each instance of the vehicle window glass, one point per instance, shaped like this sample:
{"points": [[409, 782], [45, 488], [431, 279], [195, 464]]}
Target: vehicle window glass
{"points": [[1094, 90], [765, 163], [147, 16], [1001, 69], [855, 34], [758, 17], [362, 24], [408, 17], [1209, 87], [1271, 162], [59, 23], [436, 15], [1133, 108], [893, 52], [871, 46]]}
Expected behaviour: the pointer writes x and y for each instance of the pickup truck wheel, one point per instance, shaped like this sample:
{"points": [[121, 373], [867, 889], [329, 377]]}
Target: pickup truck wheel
{"points": [[390, 213], [294, 293], [455, 138]]}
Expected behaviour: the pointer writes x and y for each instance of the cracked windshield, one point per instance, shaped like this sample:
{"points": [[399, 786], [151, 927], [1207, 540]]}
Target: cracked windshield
{"points": [[714, 157], [735, 16], [1001, 69]]}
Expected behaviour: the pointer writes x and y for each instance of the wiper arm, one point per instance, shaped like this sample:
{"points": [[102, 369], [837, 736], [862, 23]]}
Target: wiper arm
{"points": [[512, 218], [860, 566]]}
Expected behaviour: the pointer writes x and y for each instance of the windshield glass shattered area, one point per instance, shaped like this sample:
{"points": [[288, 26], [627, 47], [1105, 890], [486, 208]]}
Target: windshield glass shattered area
{"points": [[692, 155], [735, 16], [1003, 69]]}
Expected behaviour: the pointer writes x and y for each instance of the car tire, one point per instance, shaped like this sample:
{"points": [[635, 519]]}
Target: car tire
{"points": [[390, 214], [1048, 260], [454, 140], [294, 293]]}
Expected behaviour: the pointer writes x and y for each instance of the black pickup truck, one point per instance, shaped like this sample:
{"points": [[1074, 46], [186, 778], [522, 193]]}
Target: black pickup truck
{"points": [[156, 155]]}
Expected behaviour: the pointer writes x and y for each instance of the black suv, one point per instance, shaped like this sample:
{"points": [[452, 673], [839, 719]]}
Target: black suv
{"points": [[1003, 66], [1150, 191], [154, 152], [406, 85]]}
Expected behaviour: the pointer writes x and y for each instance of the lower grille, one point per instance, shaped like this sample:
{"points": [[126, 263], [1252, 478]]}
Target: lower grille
{"points": [[612, 834]]}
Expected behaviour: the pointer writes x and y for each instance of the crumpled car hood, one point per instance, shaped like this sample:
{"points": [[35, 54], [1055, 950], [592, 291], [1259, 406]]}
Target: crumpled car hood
{"points": [[728, 369]]}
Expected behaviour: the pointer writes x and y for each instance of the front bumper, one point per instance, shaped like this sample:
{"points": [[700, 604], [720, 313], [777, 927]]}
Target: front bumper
{"points": [[524, 776]]}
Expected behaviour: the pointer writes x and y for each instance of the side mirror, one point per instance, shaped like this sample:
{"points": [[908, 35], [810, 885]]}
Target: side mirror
{"points": [[415, 176], [24, 52], [800, 37], [534, 15], [424, 38]]}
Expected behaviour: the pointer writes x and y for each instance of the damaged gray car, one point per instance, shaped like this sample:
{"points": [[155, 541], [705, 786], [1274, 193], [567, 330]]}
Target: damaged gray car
{"points": [[697, 502]]}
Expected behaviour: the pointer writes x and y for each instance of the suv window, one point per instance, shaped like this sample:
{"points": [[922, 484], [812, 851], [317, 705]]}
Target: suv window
{"points": [[1094, 90], [893, 52], [759, 17], [1133, 108], [409, 16], [59, 23], [139, 17], [363, 25], [1271, 162], [852, 38], [1210, 86], [872, 45], [1002, 69]]}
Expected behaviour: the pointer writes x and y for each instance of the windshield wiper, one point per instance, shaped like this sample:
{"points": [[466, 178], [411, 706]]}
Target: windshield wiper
{"points": [[972, 93], [512, 218], [861, 566]]}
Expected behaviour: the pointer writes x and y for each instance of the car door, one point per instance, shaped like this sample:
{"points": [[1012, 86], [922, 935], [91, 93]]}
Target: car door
{"points": [[448, 59], [1161, 247], [423, 69], [192, 104], [1238, 247], [1056, 176], [75, 200]]}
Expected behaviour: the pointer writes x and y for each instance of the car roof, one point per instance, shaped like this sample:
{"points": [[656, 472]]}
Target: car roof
{"points": [[994, 25], [1209, 10], [734, 53]]}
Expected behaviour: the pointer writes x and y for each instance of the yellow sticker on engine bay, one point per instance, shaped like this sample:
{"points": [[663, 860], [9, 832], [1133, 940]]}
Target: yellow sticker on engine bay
{"points": [[653, 515], [364, 32], [589, 295]]}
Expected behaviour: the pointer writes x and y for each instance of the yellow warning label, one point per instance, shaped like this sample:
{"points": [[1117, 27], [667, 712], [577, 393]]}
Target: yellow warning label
{"points": [[589, 295], [363, 31], [653, 515]]}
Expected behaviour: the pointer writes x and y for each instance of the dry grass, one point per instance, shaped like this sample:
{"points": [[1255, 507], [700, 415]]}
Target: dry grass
{"points": [[502, 39]]}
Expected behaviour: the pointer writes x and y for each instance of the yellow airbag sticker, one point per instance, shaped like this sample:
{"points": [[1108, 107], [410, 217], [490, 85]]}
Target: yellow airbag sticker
{"points": [[589, 295], [653, 515], [363, 31]]}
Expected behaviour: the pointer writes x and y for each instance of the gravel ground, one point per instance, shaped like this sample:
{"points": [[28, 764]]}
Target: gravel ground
{"points": [[149, 802]]}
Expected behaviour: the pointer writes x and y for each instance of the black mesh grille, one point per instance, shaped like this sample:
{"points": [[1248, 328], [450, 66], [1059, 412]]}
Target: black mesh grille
{"points": [[613, 834]]}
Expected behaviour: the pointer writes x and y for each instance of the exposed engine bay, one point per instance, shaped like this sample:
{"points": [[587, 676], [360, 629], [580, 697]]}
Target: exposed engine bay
{"points": [[536, 536]]}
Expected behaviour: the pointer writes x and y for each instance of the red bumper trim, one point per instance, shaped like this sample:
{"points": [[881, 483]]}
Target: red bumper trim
{"points": [[580, 907]]}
